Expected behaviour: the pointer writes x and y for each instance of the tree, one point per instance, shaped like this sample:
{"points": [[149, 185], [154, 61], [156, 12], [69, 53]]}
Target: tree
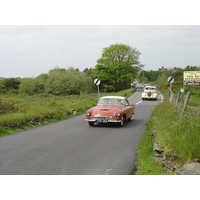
{"points": [[89, 72], [27, 86], [148, 76], [11, 84], [58, 81], [117, 67], [68, 81], [192, 68]]}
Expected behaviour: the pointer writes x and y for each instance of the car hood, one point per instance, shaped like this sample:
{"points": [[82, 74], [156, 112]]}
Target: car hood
{"points": [[106, 110]]}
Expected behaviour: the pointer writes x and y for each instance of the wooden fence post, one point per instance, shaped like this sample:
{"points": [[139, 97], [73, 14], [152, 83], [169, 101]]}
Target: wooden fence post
{"points": [[177, 100], [185, 103]]}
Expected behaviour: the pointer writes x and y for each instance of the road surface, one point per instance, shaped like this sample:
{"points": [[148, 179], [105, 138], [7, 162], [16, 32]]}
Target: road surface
{"points": [[71, 147]]}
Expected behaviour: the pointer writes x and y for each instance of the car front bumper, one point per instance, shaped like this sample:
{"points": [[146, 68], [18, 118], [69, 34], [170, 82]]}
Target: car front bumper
{"points": [[146, 96], [103, 120]]}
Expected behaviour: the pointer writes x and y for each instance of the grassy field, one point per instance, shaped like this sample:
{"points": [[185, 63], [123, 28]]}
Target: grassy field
{"points": [[173, 134], [19, 112]]}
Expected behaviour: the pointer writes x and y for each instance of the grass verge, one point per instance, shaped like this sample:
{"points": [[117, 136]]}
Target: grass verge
{"points": [[38, 110], [180, 136]]}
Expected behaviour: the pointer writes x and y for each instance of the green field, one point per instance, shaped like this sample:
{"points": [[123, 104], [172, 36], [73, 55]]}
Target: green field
{"points": [[21, 112]]}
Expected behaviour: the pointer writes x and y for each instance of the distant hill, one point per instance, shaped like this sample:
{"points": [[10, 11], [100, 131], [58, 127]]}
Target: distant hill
{"points": [[1, 78]]}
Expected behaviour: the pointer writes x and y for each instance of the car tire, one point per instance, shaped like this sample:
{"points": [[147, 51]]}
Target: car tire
{"points": [[131, 118], [91, 123]]}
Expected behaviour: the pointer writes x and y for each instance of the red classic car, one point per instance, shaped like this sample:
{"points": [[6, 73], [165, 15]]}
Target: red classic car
{"points": [[114, 109]]}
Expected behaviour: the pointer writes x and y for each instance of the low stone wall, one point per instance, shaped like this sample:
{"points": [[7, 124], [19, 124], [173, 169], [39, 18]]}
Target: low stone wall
{"points": [[169, 161]]}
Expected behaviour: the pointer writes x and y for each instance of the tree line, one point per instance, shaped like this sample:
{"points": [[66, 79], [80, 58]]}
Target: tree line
{"points": [[58, 81], [117, 68]]}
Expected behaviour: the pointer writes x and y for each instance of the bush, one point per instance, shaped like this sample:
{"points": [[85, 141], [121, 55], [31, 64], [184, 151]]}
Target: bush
{"points": [[67, 82], [8, 106], [58, 82]]}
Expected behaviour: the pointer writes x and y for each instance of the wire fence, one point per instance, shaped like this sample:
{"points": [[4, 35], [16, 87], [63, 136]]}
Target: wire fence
{"points": [[181, 101]]}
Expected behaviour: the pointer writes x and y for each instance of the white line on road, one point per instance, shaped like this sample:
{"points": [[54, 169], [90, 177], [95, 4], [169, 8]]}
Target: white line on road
{"points": [[107, 171], [139, 102]]}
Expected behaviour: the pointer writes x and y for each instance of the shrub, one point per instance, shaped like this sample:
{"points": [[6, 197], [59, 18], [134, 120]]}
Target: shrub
{"points": [[8, 106]]}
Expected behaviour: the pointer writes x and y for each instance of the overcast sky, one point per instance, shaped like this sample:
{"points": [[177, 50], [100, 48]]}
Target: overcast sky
{"points": [[29, 50]]}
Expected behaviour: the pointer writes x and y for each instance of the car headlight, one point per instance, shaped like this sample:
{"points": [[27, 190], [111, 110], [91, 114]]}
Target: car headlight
{"points": [[117, 114], [88, 113]]}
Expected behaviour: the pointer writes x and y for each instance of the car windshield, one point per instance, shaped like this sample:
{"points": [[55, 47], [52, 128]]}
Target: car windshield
{"points": [[110, 101], [148, 88]]}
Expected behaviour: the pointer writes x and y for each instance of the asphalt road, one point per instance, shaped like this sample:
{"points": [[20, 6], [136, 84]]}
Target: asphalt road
{"points": [[71, 147]]}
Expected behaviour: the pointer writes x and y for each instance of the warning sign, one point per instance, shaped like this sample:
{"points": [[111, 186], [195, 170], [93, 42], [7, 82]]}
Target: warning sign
{"points": [[191, 77]]}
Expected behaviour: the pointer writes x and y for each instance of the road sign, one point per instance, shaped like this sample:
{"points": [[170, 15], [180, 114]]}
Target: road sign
{"points": [[191, 77], [97, 81], [170, 79], [182, 90]]}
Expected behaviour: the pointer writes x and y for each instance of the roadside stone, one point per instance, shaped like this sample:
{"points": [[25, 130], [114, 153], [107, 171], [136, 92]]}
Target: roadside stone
{"points": [[170, 162], [73, 111], [190, 169], [157, 149]]}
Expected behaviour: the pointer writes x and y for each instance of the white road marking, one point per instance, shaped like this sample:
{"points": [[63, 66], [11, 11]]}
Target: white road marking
{"points": [[107, 171], [139, 102]]}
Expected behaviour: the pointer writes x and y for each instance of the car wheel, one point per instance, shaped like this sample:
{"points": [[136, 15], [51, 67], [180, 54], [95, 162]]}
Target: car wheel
{"points": [[91, 123], [131, 118]]}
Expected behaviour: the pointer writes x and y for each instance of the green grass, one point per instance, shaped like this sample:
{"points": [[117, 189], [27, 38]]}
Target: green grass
{"points": [[38, 110], [146, 164], [171, 133]]}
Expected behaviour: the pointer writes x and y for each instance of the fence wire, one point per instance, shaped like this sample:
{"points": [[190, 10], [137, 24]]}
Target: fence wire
{"points": [[182, 107]]}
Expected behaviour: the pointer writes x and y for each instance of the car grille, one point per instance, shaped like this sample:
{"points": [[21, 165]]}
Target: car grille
{"points": [[100, 118]]}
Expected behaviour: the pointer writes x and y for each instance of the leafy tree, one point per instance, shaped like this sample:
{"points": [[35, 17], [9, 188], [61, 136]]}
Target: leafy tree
{"points": [[147, 76], [68, 81], [10, 84], [192, 68], [40, 83], [58, 81], [153, 75], [144, 80], [27, 86], [117, 67], [89, 72]]}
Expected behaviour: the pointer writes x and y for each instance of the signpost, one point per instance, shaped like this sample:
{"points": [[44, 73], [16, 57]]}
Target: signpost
{"points": [[97, 83], [170, 80]]}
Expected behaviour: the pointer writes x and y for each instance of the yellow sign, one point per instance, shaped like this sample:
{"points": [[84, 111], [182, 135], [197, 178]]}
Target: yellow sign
{"points": [[191, 77]]}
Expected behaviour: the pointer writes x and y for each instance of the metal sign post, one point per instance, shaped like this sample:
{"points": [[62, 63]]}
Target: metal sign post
{"points": [[170, 80], [97, 83]]}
